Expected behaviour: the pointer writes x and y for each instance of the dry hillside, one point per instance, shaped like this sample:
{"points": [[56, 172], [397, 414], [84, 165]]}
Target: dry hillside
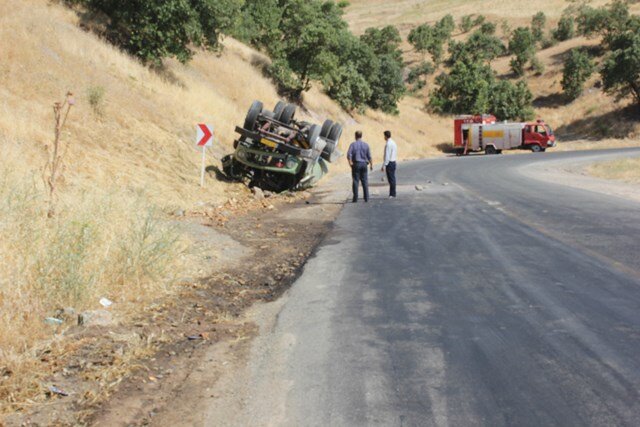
{"points": [[130, 160], [594, 120]]}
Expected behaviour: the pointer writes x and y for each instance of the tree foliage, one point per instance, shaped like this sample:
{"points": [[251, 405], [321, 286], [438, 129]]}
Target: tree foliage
{"points": [[478, 47], [578, 67], [538, 26], [426, 38], [565, 30], [156, 29], [620, 32], [523, 46], [472, 88]]}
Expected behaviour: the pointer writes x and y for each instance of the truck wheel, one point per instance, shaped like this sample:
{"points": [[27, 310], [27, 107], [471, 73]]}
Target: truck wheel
{"points": [[335, 133], [277, 110], [252, 115], [536, 148], [288, 113], [490, 149], [314, 134], [326, 128]]}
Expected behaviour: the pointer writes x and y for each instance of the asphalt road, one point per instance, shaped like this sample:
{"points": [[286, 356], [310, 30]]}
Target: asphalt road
{"points": [[489, 298]]}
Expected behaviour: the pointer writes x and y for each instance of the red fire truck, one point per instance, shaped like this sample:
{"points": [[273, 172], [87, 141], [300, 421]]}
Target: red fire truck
{"points": [[484, 133]]}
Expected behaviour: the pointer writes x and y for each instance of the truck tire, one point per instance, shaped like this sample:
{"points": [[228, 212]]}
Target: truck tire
{"points": [[252, 115], [326, 128], [335, 133], [288, 113], [277, 110], [490, 149], [314, 134], [536, 148]]}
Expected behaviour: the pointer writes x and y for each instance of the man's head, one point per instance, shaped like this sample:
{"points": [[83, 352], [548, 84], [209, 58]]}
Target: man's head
{"points": [[358, 135], [387, 134]]}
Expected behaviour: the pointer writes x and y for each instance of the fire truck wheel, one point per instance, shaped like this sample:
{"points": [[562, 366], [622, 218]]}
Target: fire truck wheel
{"points": [[536, 148], [278, 109], [335, 133], [252, 115], [326, 127], [490, 149], [288, 113]]}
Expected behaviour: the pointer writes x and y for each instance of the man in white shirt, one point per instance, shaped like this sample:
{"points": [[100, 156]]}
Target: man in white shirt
{"points": [[390, 160]]}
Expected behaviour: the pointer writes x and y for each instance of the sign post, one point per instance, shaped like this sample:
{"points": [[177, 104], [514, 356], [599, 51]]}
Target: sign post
{"points": [[204, 139]]}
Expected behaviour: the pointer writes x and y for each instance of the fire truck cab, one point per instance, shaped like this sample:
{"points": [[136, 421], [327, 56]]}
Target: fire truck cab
{"points": [[483, 133]]}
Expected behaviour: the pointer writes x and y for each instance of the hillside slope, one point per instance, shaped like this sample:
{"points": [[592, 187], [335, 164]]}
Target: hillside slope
{"points": [[142, 134], [595, 116]]}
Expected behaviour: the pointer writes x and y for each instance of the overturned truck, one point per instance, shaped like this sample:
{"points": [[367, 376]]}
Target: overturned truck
{"points": [[276, 152]]}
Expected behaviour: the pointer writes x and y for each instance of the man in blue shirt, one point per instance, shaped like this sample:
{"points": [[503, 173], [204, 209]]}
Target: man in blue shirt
{"points": [[359, 156]]}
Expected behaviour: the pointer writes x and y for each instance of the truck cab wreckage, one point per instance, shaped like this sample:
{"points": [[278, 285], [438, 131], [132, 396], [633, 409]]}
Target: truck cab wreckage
{"points": [[276, 152]]}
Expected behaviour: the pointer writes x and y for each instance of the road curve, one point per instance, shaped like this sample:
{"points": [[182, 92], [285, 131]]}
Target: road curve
{"points": [[488, 298]]}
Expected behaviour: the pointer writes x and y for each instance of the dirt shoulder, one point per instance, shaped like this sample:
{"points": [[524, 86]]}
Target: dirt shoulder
{"points": [[577, 175], [129, 373]]}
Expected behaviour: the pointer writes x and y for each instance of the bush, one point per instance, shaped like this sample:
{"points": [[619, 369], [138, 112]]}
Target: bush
{"points": [[95, 95], [466, 23], [578, 67], [621, 68], [511, 102], [538, 24], [478, 47], [523, 46], [472, 88], [537, 66], [566, 29]]}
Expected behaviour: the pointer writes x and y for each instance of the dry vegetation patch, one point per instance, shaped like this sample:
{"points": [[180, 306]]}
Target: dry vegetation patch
{"points": [[627, 170]]}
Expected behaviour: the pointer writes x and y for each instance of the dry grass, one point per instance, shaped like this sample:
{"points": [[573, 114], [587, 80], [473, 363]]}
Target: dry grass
{"points": [[131, 133], [105, 243], [627, 170]]}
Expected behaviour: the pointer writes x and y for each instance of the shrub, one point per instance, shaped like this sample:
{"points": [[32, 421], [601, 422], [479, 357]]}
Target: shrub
{"points": [[95, 95], [578, 67], [522, 45], [537, 66], [621, 68], [566, 29], [466, 23], [538, 24]]}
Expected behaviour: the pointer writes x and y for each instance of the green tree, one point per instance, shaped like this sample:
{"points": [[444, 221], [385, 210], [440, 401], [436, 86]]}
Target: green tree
{"points": [[566, 29], [311, 35], [511, 102], [578, 67], [466, 23], [465, 90], [260, 23], [349, 88], [538, 25], [444, 27], [478, 47], [384, 41], [523, 46], [621, 68], [488, 28], [156, 29]]}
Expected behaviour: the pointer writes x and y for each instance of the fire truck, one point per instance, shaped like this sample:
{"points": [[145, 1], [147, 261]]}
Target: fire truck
{"points": [[474, 133]]}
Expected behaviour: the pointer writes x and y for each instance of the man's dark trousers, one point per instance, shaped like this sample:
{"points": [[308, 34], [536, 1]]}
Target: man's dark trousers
{"points": [[391, 176], [359, 173]]}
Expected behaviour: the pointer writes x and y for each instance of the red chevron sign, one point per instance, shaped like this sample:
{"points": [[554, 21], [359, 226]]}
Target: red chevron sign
{"points": [[204, 135]]}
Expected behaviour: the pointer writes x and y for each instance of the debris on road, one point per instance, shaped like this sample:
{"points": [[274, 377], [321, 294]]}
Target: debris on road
{"points": [[419, 188]]}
